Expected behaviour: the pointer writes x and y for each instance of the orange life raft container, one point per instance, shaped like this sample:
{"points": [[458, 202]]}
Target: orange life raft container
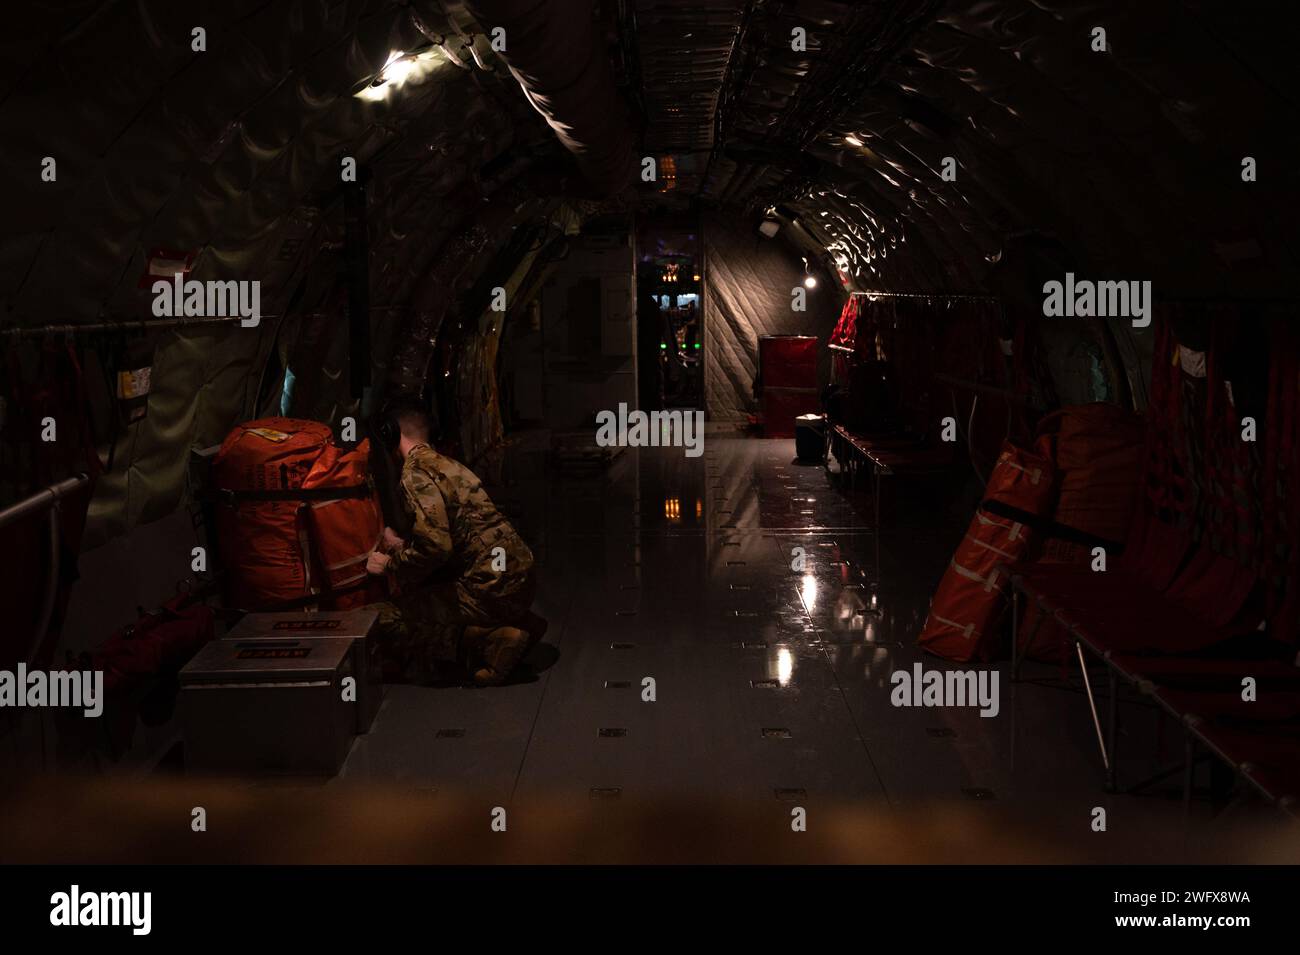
{"points": [[296, 517], [971, 598]]}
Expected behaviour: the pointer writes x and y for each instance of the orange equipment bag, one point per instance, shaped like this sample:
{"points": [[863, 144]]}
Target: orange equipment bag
{"points": [[296, 517], [971, 597], [1097, 450]]}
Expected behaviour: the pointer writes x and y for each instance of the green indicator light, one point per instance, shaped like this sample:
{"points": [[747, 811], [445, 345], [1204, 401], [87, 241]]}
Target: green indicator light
{"points": [[663, 346]]}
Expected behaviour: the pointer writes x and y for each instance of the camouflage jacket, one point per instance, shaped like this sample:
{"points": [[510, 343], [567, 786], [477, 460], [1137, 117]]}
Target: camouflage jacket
{"points": [[455, 526]]}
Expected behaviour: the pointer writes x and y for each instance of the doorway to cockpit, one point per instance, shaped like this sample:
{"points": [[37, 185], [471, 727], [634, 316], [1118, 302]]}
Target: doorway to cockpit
{"points": [[670, 331]]}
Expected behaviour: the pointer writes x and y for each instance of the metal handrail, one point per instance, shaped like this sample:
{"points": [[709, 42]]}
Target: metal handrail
{"points": [[46, 499], [42, 500], [126, 325], [942, 295]]}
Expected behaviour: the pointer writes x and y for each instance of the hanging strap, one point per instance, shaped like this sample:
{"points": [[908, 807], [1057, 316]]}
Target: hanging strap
{"points": [[233, 497], [1049, 527], [306, 600]]}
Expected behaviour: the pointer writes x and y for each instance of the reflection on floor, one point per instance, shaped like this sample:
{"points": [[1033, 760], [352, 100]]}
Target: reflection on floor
{"points": [[769, 616]]}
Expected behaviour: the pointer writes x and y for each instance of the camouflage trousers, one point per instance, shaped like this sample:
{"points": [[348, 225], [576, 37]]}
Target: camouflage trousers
{"points": [[422, 631]]}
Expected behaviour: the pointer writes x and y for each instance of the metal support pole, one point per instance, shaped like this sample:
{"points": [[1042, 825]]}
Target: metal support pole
{"points": [[356, 257], [876, 530], [1038, 625], [1015, 631], [1092, 704], [1112, 729], [51, 587]]}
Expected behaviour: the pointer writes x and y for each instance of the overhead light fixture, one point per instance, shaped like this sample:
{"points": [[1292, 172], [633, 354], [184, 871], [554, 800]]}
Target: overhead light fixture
{"points": [[853, 140], [769, 228], [399, 69], [396, 70], [809, 281]]}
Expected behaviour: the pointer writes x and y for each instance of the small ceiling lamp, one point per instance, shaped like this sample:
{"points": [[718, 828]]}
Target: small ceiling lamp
{"points": [[399, 69]]}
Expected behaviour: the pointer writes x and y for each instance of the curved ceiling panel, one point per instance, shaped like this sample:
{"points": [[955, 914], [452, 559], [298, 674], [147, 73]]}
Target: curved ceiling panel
{"points": [[218, 152], [1097, 149]]}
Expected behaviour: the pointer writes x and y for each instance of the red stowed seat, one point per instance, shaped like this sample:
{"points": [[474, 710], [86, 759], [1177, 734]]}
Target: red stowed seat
{"points": [[1209, 673], [1163, 595], [1272, 712], [1216, 589], [1154, 551], [1260, 739]]}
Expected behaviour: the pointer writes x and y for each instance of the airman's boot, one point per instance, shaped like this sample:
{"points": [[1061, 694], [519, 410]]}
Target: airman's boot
{"points": [[499, 651], [536, 627]]}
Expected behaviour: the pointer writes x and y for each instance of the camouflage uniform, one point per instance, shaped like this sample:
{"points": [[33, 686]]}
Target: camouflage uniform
{"points": [[445, 572]]}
